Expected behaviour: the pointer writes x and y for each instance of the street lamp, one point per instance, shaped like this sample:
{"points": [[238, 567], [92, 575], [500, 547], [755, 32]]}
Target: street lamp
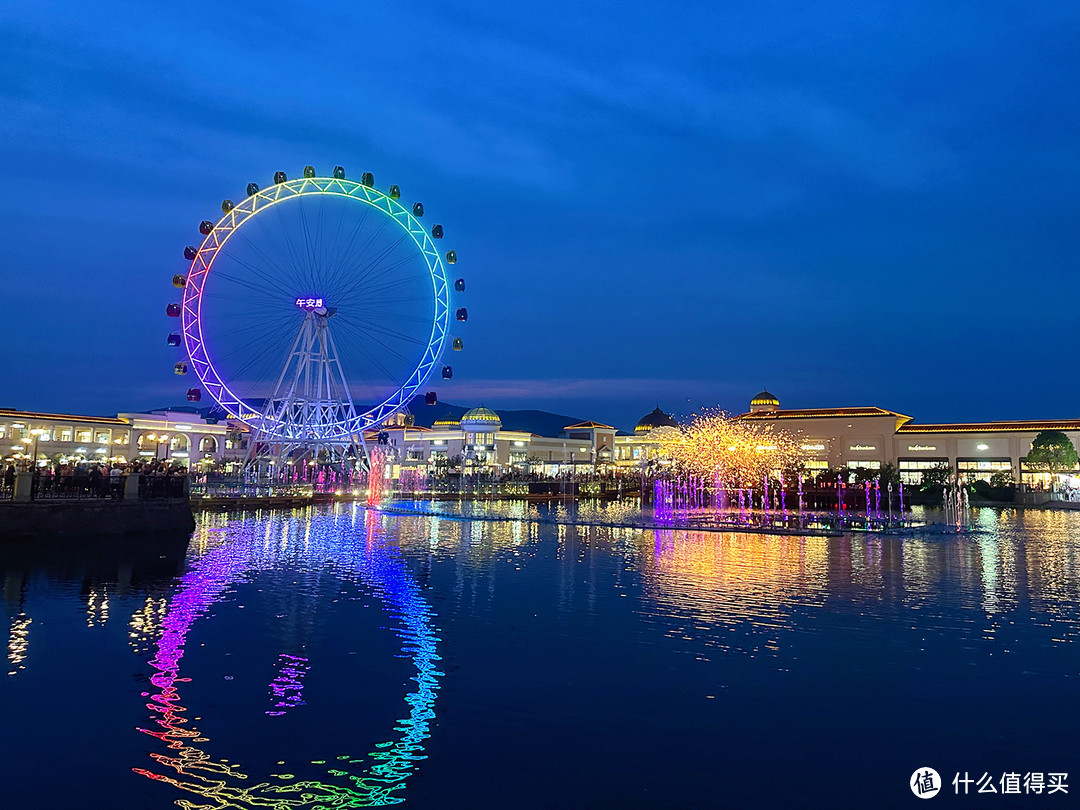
{"points": [[158, 441], [37, 433]]}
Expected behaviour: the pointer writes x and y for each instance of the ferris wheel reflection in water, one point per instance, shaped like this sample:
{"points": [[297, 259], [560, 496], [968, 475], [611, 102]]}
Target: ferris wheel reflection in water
{"points": [[368, 561]]}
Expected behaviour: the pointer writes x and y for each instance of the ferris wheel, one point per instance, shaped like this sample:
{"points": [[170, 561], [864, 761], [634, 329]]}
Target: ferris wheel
{"points": [[315, 309]]}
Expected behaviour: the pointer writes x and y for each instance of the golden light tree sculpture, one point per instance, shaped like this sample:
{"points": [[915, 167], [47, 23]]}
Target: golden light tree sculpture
{"points": [[730, 452]]}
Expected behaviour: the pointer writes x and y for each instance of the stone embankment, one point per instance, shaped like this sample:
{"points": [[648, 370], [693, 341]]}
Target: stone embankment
{"points": [[134, 505]]}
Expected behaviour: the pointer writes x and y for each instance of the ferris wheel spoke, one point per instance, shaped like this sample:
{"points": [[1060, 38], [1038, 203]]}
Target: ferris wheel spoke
{"points": [[265, 277], [250, 306], [295, 266], [390, 271], [383, 320], [360, 260], [376, 267], [269, 332], [405, 299], [359, 360], [341, 256], [368, 267], [258, 288], [265, 325], [377, 309], [254, 356], [366, 282], [375, 351], [337, 264], [366, 327], [372, 336], [364, 294], [281, 269], [310, 246], [374, 360], [349, 259]]}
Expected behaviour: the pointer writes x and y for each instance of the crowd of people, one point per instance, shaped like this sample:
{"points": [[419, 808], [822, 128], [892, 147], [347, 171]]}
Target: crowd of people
{"points": [[157, 479]]}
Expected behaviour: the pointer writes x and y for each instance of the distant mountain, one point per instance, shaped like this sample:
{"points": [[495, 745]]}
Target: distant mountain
{"points": [[187, 408], [543, 423]]}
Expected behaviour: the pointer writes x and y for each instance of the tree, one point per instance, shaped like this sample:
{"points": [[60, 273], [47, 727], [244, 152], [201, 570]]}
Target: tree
{"points": [[937, 476], [889, 475], [1052, 452], [1001, 479]]}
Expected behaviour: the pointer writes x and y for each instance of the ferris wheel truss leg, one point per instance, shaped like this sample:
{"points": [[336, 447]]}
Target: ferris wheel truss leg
{"points": [[309, 402]]}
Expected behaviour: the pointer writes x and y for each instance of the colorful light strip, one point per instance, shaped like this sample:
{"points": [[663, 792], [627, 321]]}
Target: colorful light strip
{"points": [[288, 687], [372, 562], [202, 264]]}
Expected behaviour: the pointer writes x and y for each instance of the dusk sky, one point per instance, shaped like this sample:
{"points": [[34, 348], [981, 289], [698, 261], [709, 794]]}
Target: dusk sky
{"points": [[849, 203]]}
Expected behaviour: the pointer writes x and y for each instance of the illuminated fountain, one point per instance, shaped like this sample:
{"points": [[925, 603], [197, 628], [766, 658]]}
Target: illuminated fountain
{"points": [[730, 472]]}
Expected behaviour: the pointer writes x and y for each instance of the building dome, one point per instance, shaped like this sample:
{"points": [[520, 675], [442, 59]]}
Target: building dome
{"points": [[764, 402], [447, 421], [482, 419], [654, 420]]}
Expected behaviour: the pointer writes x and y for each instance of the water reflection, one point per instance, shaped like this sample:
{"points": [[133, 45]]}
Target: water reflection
{"points": [[703, 585], [120, 566], [18, 642], [326, 543], [708, 584], [705, 582], [583, 657]]}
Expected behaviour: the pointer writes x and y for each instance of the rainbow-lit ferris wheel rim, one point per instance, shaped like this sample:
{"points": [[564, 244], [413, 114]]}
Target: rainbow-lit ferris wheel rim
{"points": [[201, 266]]}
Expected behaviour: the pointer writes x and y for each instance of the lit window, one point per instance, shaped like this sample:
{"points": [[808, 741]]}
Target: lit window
{"points": [[102, 437], [864, 464], [64, 434], [84, 435]]}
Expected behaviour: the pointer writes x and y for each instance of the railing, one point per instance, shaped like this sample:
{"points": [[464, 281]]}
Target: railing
{"points": [[163, 486], [76, 487], [243, 490]]}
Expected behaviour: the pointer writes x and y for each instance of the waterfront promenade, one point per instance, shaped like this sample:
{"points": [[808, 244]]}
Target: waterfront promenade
{"points": [[35, 505]]}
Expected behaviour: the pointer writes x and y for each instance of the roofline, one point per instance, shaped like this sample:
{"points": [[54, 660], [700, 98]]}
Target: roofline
{"points": [[590, 424], [70, 417], [826, 413], [1008, 426]]}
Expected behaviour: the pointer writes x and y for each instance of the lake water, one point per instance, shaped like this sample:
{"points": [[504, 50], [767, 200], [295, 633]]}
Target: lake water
{"points": [[339, 657]]}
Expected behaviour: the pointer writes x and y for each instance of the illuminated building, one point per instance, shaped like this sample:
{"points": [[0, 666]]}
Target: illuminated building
{"points": [[478, 442], [181, 436], [644, 444], [869, 437]]}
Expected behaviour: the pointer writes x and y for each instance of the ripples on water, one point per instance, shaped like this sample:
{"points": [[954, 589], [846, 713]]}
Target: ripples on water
{"points": [[347, 658]]}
